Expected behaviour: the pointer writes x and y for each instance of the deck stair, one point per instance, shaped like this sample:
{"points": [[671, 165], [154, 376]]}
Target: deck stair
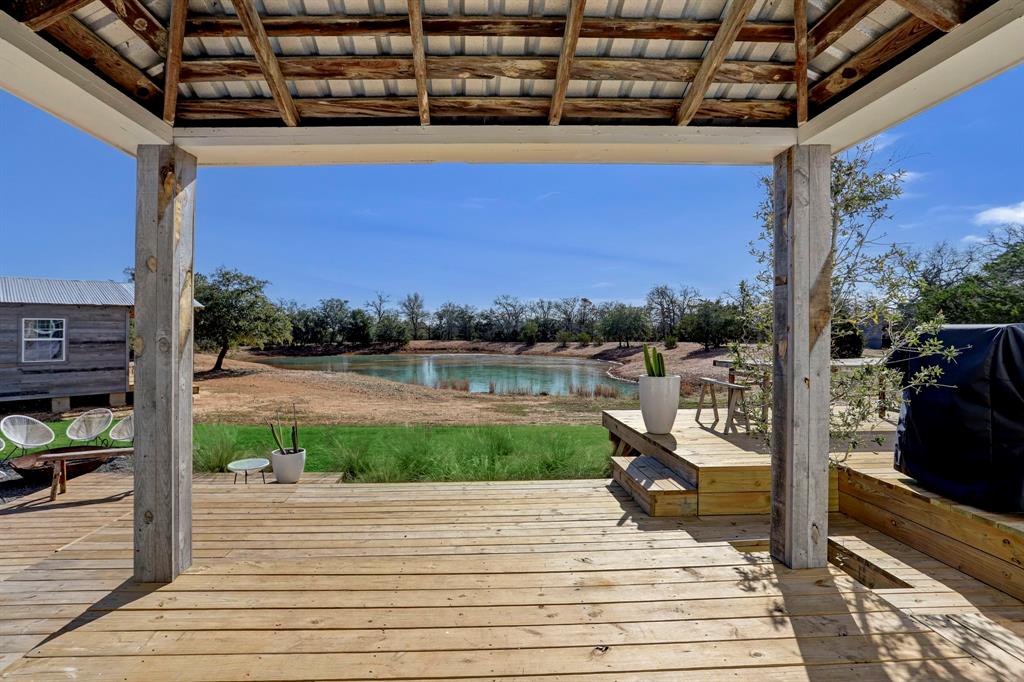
{"points": [[657, 489]]}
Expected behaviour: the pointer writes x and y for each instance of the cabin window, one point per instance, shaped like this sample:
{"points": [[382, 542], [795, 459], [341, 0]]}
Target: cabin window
{"points": [[42, 340]]}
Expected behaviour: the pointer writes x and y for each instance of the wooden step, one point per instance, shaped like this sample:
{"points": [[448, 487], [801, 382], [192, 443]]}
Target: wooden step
{"points": [[660, 491]]}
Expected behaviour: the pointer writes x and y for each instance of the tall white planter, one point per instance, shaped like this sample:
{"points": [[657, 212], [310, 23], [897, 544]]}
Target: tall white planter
{"points": [[659, 402], [288, 466]]}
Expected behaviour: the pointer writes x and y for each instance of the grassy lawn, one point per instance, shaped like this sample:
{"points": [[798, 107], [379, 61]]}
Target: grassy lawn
{"points": [[377, 454]]}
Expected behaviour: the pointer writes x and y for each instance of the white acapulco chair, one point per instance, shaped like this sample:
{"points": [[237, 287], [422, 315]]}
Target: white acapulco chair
{"points": [[26, 432], [90, 425], [124, 430]]}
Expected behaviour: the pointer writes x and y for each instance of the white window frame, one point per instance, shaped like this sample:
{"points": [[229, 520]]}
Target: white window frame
{"points": [[63, 340]]}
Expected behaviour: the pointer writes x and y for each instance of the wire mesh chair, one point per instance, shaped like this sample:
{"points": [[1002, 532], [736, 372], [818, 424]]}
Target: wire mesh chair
{"points": [[3, 474], [90, 425], [25, 432], [124, 430]]}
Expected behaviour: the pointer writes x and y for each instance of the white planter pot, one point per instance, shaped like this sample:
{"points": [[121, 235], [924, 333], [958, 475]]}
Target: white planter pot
{"points": [[659, 402], [288, 467]]}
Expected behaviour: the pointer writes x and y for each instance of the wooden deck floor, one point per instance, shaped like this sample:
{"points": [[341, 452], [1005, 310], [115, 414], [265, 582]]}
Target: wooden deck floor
{"points": [[477, 581]]}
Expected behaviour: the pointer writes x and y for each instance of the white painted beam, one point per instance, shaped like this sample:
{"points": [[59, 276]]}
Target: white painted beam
{"points": [[164, 238], [482, 144], [39, 73], [977, 50], [802, 323]]}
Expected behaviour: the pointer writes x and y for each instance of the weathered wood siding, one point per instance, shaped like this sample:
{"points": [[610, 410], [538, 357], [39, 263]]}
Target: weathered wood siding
{"points": [[96, 357]]}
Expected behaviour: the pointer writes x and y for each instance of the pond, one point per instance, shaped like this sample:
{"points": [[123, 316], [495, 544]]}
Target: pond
{"points": [[480, 373]]}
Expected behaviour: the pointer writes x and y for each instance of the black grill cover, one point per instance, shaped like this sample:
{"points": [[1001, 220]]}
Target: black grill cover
{"points": [[967, 442]]}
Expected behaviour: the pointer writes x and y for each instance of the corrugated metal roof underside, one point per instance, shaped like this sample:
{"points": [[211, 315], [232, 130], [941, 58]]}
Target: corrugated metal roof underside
{"points": [[97, 17], [35, 290]]}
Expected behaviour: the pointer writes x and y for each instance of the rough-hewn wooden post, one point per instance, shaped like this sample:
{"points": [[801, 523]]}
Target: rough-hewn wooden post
{"points": [[165, 209], [803, 275]]}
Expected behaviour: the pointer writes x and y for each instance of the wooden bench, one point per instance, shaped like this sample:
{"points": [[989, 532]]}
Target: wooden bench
{"points": [[60, 460], [736, 403]]}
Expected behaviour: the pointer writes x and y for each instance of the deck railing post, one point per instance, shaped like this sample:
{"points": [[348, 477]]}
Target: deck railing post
{"points": [[802, 340], [165, 211]]}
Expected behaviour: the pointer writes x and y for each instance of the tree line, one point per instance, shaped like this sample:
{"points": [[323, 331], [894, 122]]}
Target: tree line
{"points": [[237, 311]]}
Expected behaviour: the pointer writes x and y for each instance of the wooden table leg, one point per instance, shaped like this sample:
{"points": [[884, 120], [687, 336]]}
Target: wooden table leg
{"points": [[55, 483], [63, 476]]}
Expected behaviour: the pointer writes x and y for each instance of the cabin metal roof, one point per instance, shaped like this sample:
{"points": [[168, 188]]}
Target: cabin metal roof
{"points": [[65, 292]]}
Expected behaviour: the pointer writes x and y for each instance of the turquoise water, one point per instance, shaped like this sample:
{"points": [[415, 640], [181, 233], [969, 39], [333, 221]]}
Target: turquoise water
{"points": [[533, 374]]}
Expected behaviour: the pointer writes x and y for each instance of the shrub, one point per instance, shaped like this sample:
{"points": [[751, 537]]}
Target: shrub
{"points": [[598, 340], [847, 339], [530, 333], [583, 338], [670, 342], [563, 337]]}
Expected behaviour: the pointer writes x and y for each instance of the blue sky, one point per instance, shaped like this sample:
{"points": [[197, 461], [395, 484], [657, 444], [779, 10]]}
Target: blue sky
{"points": [[469, 233]]}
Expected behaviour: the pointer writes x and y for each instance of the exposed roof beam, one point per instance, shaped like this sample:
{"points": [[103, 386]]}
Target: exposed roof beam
{"points": [[276, 146], [735, 15], [38, 14], [571, 36], [95, 52], [419, 59], [534, 107], [484, 67], [175, 50], [141, 21], [260, 43], [944, 15], [459, 26], [49, 77], [837, 22], [800, 43], [899, 39]]}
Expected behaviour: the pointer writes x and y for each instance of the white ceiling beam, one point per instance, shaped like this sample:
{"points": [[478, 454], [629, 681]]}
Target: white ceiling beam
{"points": [[483, 144], [37, 72], [988, 44]]}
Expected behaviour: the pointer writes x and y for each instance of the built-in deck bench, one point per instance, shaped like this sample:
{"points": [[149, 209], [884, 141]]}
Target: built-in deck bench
{"points": [[986, 545]]}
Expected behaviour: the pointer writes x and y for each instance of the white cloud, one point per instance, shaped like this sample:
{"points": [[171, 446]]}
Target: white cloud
{"points": [[913, 176], [1001, 215], [973, 239], [884, 140]]}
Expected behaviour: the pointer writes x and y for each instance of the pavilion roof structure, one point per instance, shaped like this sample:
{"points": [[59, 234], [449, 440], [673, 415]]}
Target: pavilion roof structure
{"points": [[558, 62], [184, 69]]}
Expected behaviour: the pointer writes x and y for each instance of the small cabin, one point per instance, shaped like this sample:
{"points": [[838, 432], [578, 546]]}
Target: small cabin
{"points": [[64, 338]]}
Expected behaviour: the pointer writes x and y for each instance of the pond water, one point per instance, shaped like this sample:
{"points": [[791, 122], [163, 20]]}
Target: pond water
{"points": [[503, 374]]}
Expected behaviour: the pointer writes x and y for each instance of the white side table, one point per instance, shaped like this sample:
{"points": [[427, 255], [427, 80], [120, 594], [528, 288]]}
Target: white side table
{"points": [[245, 466]]}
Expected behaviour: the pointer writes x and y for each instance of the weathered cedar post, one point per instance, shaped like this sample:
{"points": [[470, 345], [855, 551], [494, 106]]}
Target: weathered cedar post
{"points": [[165, 212], [802, 324]]}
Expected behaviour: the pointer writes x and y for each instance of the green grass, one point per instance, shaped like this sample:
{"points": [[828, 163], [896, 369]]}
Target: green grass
{"points": [[378, 454]]}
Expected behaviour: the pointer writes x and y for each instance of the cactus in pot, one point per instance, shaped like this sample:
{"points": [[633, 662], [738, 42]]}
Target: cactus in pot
{"points": [[659, 394], [288, 462]]}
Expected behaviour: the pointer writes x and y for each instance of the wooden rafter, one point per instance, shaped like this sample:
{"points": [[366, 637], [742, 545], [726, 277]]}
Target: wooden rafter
{"points": [[735, 15], [800, 67], [141, 21], [264, 53], [39, 14], [93, 51], [175, 49], [898, 40], [837, 22], [487, 66], [419, 59], [461, 26], [571, 36], [510, 107], [944, 15]]}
